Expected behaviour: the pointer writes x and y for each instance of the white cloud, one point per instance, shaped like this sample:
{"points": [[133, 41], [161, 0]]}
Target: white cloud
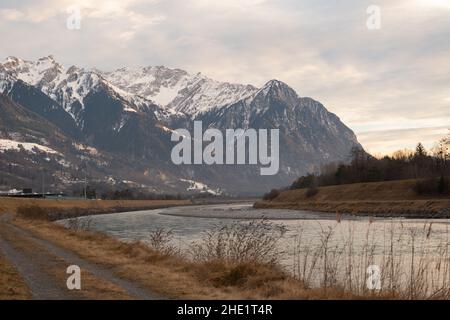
{"points": [[441, 4], [11, 14], [235, 4], [110, 10]]}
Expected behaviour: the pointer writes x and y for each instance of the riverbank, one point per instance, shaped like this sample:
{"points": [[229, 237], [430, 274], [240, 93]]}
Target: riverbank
{"points": [[55, 209], [383, 199]]}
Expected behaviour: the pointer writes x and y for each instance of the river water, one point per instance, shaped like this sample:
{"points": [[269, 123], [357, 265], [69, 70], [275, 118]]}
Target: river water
{"points": [[302, 229]]}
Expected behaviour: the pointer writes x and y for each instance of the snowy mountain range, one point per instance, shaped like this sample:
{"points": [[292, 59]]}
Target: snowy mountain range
{"points": [[127, 116], [172, 89]]}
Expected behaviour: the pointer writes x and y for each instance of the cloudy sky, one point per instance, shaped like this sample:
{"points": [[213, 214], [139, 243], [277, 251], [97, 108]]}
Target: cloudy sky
{"points": [[391, 86]]}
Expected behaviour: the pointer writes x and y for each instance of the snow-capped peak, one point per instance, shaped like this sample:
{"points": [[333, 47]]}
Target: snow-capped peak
{"points": [[277, 86], [276, 89], [43, 70], [68, 87], [12, 60], [178, 90], [159, 84], [202, 94]]}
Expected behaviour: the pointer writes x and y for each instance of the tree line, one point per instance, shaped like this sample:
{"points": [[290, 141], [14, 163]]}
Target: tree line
{"points": [[430, 168]]}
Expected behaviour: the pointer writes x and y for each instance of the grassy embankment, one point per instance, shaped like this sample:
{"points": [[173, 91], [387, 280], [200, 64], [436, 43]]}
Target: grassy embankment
{"points": [[380, 198], [72, 208]]}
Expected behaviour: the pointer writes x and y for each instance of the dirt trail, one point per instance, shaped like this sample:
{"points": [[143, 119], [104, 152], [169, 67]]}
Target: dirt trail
{"points": [[43, 265]]}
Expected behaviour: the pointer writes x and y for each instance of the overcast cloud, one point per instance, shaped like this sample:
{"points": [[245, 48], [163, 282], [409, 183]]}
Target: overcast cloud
{"points": [[391, 86]]}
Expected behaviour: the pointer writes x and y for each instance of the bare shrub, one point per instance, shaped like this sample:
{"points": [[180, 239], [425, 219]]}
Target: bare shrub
{"points": [[161, 240], [254, 242], [79, 223]]}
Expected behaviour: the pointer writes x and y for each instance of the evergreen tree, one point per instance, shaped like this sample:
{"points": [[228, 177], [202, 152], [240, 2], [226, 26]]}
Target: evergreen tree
{"points": [[420, 151]]}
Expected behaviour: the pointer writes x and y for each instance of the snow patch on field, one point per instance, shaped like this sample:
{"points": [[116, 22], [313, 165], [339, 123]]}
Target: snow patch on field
{"points": [[84, 148], [27, 146], [198, 186]]}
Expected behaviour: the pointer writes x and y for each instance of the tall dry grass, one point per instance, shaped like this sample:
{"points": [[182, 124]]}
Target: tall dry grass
{"points": [[411, 265], [79, 224]]}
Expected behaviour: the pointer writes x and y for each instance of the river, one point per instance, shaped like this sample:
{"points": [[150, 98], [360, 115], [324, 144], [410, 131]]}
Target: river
{"points": [[302, 229]]}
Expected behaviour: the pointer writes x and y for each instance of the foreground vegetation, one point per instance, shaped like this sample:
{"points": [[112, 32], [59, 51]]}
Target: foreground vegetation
{"points": [[405, 262], [167, 272], [243, 261]]}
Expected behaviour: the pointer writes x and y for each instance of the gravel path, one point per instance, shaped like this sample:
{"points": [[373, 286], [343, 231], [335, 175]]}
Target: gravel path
{"points": [[39, 283], [34, 266]]}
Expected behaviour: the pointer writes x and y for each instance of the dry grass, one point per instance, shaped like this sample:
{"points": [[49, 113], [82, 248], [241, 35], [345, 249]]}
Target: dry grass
{"points": [[377, 197], [12, 286], [66, 208], [412, 263], [370, 191]]}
